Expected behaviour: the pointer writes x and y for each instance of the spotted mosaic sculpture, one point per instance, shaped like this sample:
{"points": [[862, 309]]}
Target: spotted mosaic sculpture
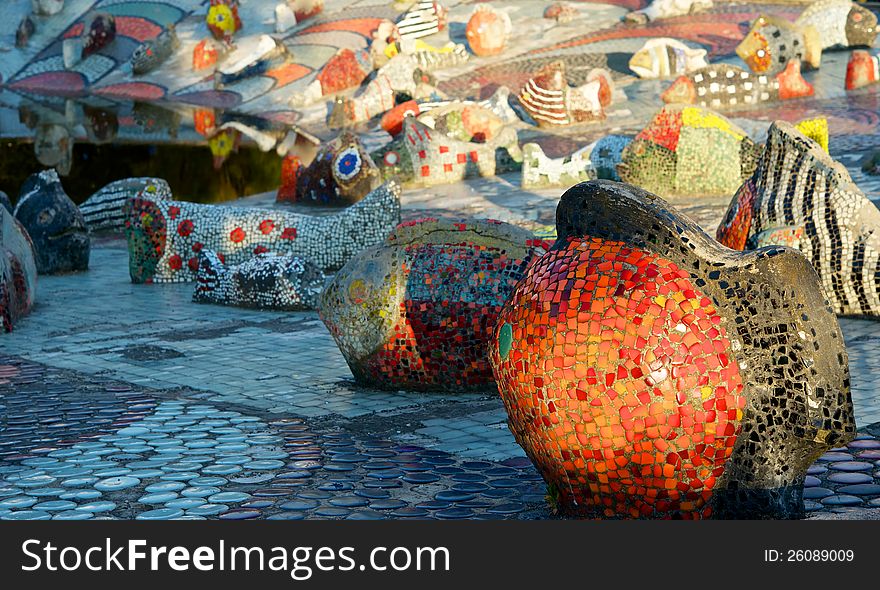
{"points": [[165, 237], [862, 69], [800, 197], [840, 23], [18, 270], [401, 75], [266, 281], [666, 58], [725, 87], [99, 31], [103, 211], [465, 121], [424, 157], [773, 41], [416, 312], [54, 224], [688, 151], [551, 102], [649, 372], [152, 53], [206, 53], [487, 30], [660, 9], [342, 173], [424, 18], [539, 171]]}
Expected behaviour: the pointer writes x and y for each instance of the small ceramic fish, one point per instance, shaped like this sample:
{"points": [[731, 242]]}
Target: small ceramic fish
{"points": [[840, 23], [723, 86], [26, 29], [773, 41], [862, 69], [665, 58], [153, 52], [46, 7], [550, 101]]}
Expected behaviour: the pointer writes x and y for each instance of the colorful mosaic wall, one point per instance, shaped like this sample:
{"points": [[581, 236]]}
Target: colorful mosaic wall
{"points": [[649, 373], [801, 198], [417, 312], [166, 237], [266, 281], [671, 155], [18, 270]]}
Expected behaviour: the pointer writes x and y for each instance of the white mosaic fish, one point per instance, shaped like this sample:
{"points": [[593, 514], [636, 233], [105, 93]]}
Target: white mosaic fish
{"points": [[665, 58]]}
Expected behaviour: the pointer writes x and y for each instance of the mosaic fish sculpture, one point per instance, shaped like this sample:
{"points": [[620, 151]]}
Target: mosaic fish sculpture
{"points": [[466, 121], [223, 20], [254, 56], [666, 58], [416, 312], [862, 69], [99, 31], [152, 53], [342, 173], [539, 171], [421, 156], [487, 30], [165, 237], [498, 103], [401, 75], [801, 198], [649, 372], [660, 9], [425, 18], [727, 87], [103, 211], [841, 23], [18, 270], [54, 224], [551, 102], [266, 281], [689, 151], [429, 57], [773, 41], [346, 69]]}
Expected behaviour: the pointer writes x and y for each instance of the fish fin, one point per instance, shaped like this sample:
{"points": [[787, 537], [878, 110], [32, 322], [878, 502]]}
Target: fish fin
{"points": [[812, 46]]}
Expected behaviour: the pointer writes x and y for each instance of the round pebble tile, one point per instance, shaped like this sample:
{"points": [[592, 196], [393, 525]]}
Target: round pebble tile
{"points": [[228, 497], [207, 510], [841, 500], [850, 466], [241, 514], [113, 484], [100, 506], [160, 514], [851, 477]]}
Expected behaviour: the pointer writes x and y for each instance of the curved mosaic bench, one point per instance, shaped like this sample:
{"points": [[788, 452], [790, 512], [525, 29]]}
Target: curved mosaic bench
{"points": [[650, 372], [165, 237], [103, 211], [417, 311], [800, 197], [18, 270], [266, 281]]}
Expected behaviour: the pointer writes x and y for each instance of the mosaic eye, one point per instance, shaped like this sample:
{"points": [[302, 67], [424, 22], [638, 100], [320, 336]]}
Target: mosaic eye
{"points": [[347, 164], [761, 53], [391, 158]]}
